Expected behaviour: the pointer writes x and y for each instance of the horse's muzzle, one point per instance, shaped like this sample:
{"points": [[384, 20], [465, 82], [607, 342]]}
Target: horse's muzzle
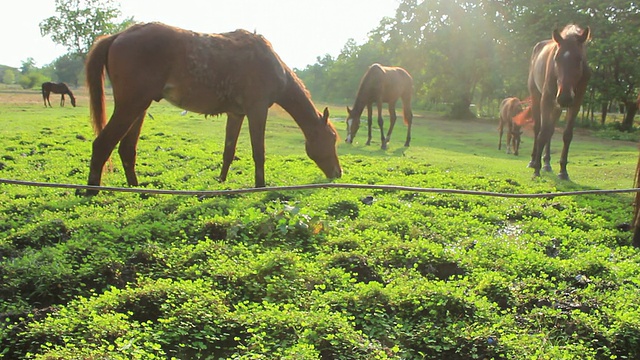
{"points": [[565, 98]]}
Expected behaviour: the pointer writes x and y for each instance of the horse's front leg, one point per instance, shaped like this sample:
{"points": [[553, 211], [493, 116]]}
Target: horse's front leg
{"points": [[545, 133], [383, 141], [257, 120], [392, 120], [234, 124], [62, 101], [554, 114], [369, 122], [567, 136]]}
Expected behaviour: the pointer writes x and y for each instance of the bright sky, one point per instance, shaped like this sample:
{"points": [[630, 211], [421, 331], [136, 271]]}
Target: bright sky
{"points": [[299, 30]]}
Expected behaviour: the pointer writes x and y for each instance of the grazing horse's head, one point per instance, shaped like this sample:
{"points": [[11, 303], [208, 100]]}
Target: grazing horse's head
{"points": [[353, 124], [73, 99], [321, 148], [569, 61]]}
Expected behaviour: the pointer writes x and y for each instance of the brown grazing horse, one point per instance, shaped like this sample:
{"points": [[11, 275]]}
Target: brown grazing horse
{"points": [[56, 88], [509, 108], [236, 73], [558, 77], [381, 84]]}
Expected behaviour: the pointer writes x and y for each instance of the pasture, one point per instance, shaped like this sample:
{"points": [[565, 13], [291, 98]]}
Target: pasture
{"points": [[328, 273]]}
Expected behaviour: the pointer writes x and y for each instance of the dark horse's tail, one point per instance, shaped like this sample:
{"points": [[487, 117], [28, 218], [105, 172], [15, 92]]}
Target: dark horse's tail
{"points": [[95, 67]]}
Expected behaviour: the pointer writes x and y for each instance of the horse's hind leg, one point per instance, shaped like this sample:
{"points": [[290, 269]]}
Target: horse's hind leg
{"points": [[234, 124], [408, 119], [383, 141], [122, 120], [369, 123], [128, 150], [392, 120]]}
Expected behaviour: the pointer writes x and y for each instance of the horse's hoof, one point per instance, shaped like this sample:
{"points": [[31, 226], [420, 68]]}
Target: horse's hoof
{"points": [[80, 192], [547, 168], [563, 176], [531, 166], [406, 144]]}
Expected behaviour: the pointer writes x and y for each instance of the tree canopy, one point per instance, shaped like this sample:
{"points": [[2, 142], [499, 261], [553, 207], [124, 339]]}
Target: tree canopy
{"points": [[80, 22], [473, 51]]}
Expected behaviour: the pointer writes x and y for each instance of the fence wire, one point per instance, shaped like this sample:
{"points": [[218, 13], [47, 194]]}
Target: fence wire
{"points": [[213, 193]]}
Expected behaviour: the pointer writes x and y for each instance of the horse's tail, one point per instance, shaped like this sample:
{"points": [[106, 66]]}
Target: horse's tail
{"points": [[523, 117], [407, 114], [95, 66]]}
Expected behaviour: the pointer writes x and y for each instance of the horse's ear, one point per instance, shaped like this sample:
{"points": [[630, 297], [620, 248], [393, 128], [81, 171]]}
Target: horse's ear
{"points": [[325, 115], [585, 36], [556, 36]]}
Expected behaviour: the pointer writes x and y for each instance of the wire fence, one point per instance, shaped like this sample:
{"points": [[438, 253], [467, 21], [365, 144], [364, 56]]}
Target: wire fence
{"points": [[213, 193]]}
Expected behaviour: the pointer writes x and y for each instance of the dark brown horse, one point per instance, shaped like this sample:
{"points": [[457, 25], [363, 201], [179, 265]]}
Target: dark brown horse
{"points": [[382, 84], [558, 77], [56, 88], [509, 108], [236, 73]]}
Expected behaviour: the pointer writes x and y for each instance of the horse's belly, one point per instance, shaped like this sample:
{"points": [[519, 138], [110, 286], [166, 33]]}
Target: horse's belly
{"points": [[201, 101]]}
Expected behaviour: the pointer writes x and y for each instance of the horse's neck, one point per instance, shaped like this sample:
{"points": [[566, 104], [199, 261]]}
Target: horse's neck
{"points": [[296, 101], [358, 107]]}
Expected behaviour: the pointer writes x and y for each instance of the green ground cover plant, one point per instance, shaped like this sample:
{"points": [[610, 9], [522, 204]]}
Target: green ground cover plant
{"points": [[328, 273]]}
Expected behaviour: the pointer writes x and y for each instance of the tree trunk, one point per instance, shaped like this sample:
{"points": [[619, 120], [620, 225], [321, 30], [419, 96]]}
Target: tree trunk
{"points": [[604, 109], [460, 109], [632, 109]]}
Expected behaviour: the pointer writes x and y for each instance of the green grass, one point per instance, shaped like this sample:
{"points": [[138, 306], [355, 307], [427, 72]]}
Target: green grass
{"points": [[328, 273]]}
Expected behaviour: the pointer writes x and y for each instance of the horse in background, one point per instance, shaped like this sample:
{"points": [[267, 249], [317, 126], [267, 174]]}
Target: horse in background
{"points": [[236, 73], [56, 88], [509, 108], [558, 77], [381, 84]]}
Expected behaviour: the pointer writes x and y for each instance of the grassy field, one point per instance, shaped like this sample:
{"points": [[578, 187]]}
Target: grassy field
{"points": [[328, 273]]}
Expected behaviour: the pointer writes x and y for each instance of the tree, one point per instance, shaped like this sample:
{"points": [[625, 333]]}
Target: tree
{"points": [[9, 77], [27, 66], [68, 68], [80, 22], [451, 44]]}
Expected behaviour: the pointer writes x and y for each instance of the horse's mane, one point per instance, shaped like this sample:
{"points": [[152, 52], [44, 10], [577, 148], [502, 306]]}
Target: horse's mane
{"points": [[298, 83]]}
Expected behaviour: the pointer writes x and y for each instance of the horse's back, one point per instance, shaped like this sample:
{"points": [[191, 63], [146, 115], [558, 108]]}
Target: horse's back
{"points": [[387, 82], [540, 57], [509, 108], [206, 73]]}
